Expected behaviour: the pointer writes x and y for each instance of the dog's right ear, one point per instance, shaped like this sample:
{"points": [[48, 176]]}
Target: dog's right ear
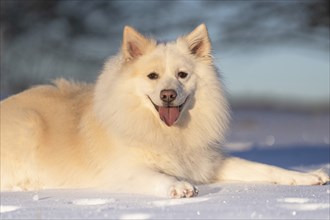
{"points": [[199, 43], [135, 44]]}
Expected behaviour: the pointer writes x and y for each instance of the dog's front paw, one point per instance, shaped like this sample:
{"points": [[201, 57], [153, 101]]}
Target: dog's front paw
{"points": [[181, 189]]}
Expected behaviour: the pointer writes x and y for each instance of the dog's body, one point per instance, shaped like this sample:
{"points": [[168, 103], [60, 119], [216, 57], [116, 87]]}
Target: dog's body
{"points": [[152, 124]]}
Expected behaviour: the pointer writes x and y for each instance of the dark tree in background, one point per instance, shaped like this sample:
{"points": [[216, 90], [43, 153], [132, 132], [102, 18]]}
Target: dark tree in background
{"points": [[304, 17], [281, 21]]}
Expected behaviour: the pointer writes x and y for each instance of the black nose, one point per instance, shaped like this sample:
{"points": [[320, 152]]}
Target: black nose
{"points": [[168, 95]]}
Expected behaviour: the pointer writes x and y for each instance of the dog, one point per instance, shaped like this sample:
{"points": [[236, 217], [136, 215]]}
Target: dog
{"points": [[153, 123]]}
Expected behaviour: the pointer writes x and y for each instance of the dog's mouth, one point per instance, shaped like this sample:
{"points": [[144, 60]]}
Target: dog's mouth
{"points": [[169, 114]]}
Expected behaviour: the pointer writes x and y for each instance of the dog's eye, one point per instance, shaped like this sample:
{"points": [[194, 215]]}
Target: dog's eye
{"points": [[182, 75], [153, 76]]}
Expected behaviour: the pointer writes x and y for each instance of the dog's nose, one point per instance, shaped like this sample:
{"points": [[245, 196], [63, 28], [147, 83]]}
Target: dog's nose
{"points": [[168, 95]]}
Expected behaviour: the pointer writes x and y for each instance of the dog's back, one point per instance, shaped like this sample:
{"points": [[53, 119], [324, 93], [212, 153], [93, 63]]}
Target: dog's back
{"points": [[31, 116]]}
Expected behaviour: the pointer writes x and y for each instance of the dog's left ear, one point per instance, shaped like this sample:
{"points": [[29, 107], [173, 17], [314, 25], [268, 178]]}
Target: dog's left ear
{"points": [[135, 44], [199, 42]]}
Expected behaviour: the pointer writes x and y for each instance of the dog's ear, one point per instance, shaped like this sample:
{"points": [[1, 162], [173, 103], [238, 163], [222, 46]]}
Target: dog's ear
{"points": [[199, 43], [135, 44]]}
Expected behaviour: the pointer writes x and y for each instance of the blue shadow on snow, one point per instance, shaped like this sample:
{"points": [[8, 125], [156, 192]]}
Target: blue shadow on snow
{"points": [[288, 156]]}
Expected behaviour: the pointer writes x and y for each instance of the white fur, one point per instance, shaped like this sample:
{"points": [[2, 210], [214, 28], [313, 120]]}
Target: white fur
{"points": [[109, 135]]}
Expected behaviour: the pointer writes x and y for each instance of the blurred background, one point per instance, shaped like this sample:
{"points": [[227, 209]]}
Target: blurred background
{"points": [[272, 54]]}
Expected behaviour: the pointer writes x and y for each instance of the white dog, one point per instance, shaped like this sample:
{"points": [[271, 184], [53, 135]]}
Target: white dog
{"points": [[153, 123]]}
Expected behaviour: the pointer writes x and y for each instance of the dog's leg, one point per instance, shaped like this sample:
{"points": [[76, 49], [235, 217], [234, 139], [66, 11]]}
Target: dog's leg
{"points": [[147, 181], [236, 169], [165, 185]]}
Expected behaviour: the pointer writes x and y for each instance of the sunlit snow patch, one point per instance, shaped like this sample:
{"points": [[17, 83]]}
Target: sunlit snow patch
{"points": [[8, 208], [172, 202], [301, 204], [137, 216], [306, 207], [293, 200], [92, 201]]}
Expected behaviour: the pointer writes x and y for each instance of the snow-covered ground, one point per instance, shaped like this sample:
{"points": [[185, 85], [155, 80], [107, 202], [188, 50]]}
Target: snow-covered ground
{"points": [[290, 140]]}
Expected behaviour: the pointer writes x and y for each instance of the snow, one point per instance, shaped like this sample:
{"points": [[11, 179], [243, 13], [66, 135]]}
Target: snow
{"points": [[295, 141], [216, 201]]}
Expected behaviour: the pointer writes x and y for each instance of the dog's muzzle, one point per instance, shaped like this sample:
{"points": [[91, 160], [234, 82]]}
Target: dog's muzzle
{"points": [[168, 113]]}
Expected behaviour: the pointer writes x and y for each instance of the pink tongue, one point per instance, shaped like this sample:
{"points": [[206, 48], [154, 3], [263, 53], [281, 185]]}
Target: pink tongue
{"points": [[169, 114]]}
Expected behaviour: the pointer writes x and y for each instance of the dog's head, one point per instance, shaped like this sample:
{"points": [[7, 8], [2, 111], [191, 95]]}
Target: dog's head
{"points": [[166, 74]]}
